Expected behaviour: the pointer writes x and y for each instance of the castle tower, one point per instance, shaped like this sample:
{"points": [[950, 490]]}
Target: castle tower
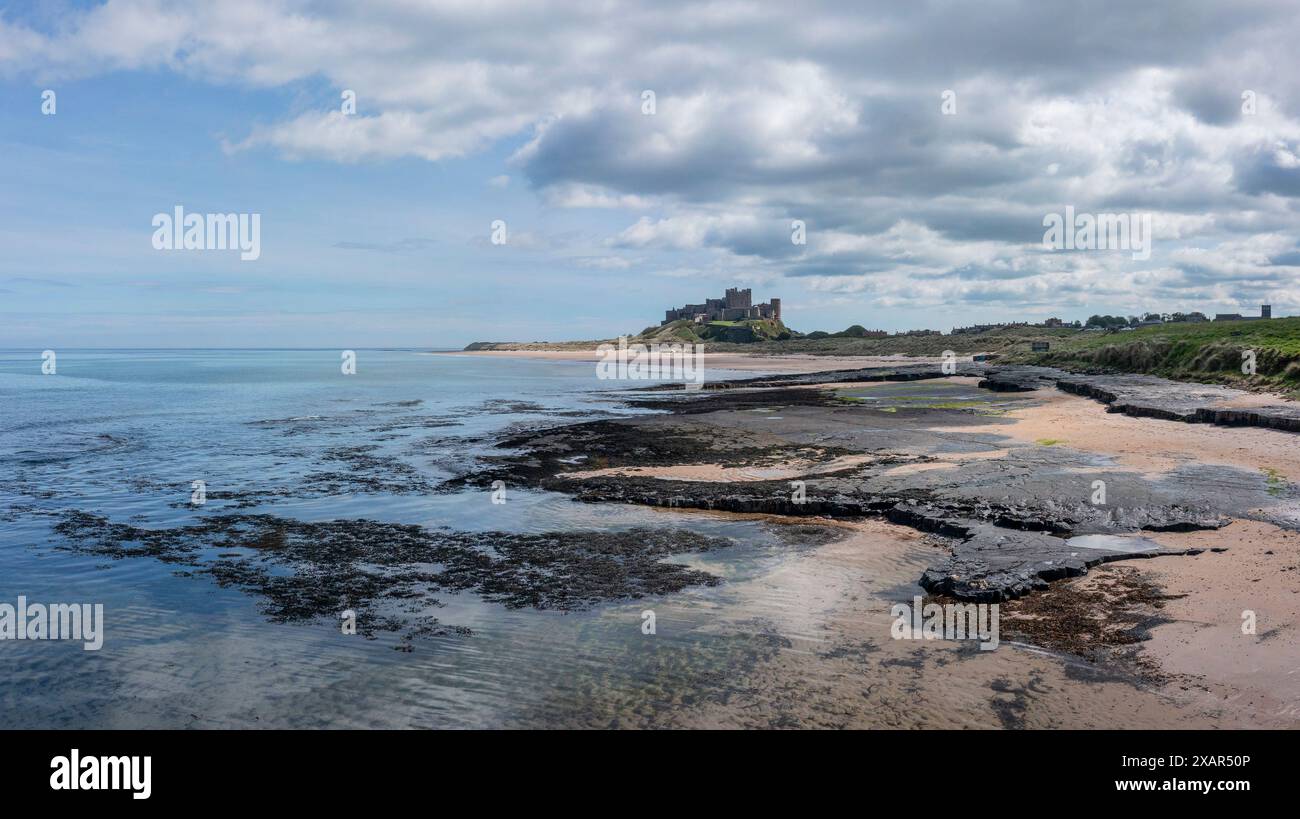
{"points": [[1266, 311], [776, 309], [738, 299]]}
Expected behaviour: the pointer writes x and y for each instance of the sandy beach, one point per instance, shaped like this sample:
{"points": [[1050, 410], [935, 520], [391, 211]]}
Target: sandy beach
{"points": [[727, 361]]}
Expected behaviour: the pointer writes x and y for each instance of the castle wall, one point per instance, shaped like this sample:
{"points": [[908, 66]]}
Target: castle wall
{"points": [[735, 305]]}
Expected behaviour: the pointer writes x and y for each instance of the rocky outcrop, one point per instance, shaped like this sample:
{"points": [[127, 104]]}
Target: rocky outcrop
{"points": [[1144, 396], [1010, 521], [1149, 396]]}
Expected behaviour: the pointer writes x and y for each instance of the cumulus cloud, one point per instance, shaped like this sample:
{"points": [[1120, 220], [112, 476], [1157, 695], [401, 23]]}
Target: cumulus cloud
{"points": [[829, 113]]}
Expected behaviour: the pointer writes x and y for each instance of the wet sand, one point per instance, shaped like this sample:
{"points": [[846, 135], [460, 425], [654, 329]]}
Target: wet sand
{"points": [[1170, 650], [730, 361], [1218, 665], [718, 473], [1203, 669], [1150, 445], [1194, 667], [842, 669]]}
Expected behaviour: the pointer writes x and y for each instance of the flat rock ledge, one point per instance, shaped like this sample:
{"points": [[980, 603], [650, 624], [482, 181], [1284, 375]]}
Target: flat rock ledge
{"points": [[1143, 396], [1149, 396], [998, 551]]}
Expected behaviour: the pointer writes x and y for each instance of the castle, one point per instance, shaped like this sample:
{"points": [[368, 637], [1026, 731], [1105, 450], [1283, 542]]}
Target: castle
{"points": [[733, 306]]}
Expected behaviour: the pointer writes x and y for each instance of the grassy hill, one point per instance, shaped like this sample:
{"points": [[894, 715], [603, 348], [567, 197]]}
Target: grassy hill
{"points": [[745, 332], [1209, 351], [1003, 341]]}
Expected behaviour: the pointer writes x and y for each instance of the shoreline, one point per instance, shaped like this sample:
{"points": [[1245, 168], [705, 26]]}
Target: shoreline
{"points": [[788, 363], [950, 440]]}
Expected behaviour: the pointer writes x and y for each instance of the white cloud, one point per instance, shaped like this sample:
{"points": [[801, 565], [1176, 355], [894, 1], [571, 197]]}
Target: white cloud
{"points": [[829, 114]]}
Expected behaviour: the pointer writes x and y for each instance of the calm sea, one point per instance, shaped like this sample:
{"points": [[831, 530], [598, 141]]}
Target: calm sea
{"points": [[124, 434]]}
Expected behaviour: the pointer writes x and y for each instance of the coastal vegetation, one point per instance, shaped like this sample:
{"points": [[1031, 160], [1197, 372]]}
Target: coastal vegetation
{"points": [[1211, 351], [746, 331], [1207, 351]]}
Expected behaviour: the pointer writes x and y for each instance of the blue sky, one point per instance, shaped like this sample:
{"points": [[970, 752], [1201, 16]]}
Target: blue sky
{"points": [[393, 251], [374, 227]]}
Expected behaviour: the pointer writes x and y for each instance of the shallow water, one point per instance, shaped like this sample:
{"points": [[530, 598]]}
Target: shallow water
{"points": [[1113, 543], [793, 634], [124, 434]]}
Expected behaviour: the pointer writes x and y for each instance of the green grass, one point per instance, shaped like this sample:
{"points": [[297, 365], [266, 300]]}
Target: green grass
{"points": [[1049, 441], [1003, 341], [1209, 351]]}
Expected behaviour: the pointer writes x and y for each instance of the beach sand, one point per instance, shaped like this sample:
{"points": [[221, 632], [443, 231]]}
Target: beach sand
{"points": [[1149, 445], [1196, 669], [1215, 671], [1191, 665], [840, 668], [730, 361]]}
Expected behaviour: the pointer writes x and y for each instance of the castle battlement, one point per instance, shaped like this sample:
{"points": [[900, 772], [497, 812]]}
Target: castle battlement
{"points": [[735, 305]]}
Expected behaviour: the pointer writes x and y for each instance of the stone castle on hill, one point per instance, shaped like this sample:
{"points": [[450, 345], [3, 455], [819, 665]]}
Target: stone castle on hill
{"points": [[733, 306]]}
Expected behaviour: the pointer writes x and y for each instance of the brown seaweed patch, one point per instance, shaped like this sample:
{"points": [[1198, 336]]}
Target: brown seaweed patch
{"points": [[1112, 608]]}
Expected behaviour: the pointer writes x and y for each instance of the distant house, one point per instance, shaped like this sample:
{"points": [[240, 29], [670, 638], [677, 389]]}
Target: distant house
{"points": [[1265, 313], [981, 328]]}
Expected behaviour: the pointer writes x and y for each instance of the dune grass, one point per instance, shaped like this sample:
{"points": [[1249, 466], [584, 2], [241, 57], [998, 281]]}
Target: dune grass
{"points": [[1209, 351]]}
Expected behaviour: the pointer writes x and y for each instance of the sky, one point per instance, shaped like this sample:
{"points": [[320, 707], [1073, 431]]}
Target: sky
{"points": [[921, 145]]}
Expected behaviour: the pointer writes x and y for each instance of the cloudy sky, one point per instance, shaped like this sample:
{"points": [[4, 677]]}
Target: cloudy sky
{"points": [[375, 226]]}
